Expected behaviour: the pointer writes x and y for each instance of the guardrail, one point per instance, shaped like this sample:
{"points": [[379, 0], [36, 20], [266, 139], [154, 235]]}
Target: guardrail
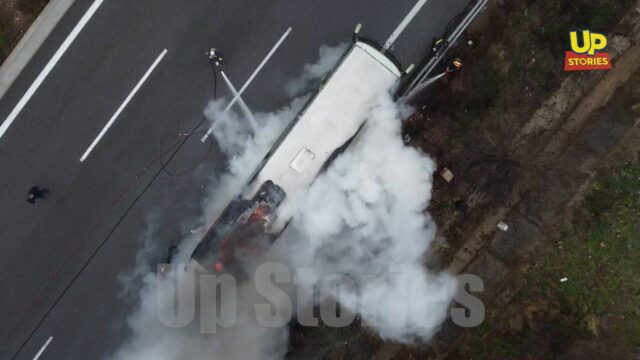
{"points": [[420, 81]]}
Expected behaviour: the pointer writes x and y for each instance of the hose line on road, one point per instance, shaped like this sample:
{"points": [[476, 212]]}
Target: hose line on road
{"points": [[173, 149], [188, 136], [215, 79]]}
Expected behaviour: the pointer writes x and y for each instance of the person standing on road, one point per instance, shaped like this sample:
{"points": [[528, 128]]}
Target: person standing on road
{"points": [[36, 192], [215, 56], [454, 65]]}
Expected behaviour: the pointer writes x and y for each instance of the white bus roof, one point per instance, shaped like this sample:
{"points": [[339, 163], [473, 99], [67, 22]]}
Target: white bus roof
{"points": [[330, 119]]}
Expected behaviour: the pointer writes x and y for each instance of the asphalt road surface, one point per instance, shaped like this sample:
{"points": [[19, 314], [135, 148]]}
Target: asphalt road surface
{"points": [[61, 259]]}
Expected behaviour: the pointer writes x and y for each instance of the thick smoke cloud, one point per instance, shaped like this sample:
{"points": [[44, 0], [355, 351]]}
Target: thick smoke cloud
{"points": [[151, 339], [362, 218], [329, 56]]}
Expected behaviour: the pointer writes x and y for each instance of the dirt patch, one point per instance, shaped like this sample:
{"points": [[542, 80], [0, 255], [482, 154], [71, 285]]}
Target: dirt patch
{"points": [[15, 18], [578, 295], [552, 318], [511, 70]]}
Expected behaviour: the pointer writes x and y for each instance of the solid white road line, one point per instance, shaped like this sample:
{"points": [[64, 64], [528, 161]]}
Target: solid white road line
{"points": [[257, 70], [124, 104], [246, 84], [47, 69], [407, 19], [42, 349]]}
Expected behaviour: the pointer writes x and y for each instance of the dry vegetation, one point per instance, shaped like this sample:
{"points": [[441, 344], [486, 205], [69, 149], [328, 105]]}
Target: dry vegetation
{"points": [[15, 18]]}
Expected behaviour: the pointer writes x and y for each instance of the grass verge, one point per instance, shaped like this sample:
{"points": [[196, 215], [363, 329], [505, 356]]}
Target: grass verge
{"points": [[598, 251]]}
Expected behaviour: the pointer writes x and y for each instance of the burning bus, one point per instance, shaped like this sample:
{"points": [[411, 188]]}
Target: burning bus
{"points": [[329, 121]]}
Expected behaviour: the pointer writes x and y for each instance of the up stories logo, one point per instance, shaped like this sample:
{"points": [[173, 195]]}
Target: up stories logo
{"points": [[586, 53]]}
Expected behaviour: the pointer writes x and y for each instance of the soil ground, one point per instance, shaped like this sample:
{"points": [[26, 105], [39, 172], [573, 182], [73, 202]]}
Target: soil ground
{"points": [[15, 18], [595, 312]]}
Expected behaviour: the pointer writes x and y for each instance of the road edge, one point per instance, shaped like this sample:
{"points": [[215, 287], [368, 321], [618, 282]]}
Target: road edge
{"points": [[31, 42]]}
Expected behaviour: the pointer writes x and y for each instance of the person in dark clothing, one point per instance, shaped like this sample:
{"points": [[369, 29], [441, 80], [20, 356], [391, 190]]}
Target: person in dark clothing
{"points": [[454, 65], [36, 192], [438, 45]]}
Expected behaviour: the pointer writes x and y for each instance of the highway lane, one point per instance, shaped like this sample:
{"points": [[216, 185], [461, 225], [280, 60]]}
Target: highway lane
{"points": [[83, 91], [55, 132]]}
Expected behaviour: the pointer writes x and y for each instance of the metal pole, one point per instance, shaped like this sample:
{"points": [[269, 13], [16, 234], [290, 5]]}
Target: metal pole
{"points": [[421, 86]]}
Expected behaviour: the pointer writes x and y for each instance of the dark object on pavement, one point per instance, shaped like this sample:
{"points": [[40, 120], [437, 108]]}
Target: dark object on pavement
{"points": [[36, 192]]}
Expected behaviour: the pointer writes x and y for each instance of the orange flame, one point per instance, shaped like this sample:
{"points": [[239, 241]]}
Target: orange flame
{"points": [[218, 265]]}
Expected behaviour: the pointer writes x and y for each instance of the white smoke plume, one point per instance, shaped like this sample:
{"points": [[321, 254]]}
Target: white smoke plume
{"points": [[329, 56], [246, 339], [151, 339], [244, 151], [131, 280], [362, 218]]}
